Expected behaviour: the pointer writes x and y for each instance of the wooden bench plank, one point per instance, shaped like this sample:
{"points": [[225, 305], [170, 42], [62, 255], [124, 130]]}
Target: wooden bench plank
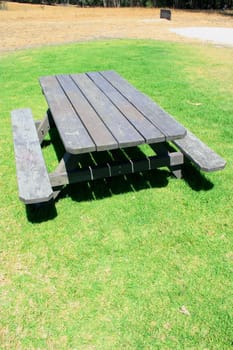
{"points": [[199, 153], [161, 119], [74, 135], [122, 130], [101, 136], [149, 132], [33, 180]]}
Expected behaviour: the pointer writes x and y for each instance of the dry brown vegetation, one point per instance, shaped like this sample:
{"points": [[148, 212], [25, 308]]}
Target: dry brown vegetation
{"points": [[23, 25]]}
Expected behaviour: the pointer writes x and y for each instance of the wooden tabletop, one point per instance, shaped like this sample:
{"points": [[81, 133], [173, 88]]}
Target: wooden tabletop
{"points": [[99, 111]]}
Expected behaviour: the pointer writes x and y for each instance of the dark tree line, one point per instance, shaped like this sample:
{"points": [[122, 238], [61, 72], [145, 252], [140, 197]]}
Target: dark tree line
{"points": [[179, 4]]}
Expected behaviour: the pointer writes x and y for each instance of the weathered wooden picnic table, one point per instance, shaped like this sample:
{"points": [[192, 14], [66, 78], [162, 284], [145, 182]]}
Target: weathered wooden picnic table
{"points": [[98, 112]]}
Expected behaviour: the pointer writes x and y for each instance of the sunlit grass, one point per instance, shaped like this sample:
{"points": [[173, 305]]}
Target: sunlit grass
{"points": [[136, 262]]}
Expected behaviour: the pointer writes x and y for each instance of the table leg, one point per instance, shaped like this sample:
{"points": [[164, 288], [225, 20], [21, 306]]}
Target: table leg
{"points": [[66, 165], [162, 150], [44, 126]]}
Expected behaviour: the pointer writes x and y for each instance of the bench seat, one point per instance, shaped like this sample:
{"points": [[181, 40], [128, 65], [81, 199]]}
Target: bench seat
{"points": [[199, 153], [33, 180]]}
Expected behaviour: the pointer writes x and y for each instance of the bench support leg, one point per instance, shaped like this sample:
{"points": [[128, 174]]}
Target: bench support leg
{"points": [[44, 126], [176, 171], [162, 150], [67, 164]]}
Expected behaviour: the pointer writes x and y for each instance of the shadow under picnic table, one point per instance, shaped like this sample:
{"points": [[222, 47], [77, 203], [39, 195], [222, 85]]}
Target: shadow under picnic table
{"points": [[38, 213], [106, 187]]}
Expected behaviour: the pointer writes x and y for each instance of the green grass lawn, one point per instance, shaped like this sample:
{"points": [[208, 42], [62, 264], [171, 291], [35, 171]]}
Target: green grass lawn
{"points": [[136, 262]]}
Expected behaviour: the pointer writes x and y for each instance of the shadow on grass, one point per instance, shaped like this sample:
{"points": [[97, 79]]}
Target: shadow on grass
{"points": [[158, 178], [99, 189], [37, 213], [109, 186], [195, 179], [103, 188]]}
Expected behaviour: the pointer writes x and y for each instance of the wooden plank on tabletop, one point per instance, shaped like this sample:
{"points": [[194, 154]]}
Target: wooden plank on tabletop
{"points": [[74, 135], [121, 129], [98, 131], [161, 119], [149, 131]]}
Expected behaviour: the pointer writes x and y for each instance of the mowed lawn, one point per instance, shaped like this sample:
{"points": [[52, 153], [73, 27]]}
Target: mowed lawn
{"points": [[136, 262]]}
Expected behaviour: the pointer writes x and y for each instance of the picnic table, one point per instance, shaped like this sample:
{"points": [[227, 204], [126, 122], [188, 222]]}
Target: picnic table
{"points": [[96, 113]]}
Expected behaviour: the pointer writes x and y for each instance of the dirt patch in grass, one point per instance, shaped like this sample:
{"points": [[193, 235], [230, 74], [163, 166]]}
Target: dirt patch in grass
{"points": [[23, 26]]}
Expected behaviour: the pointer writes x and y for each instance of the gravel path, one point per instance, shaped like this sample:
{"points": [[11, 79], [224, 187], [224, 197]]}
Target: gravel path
{"points": [[223, 36]]}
